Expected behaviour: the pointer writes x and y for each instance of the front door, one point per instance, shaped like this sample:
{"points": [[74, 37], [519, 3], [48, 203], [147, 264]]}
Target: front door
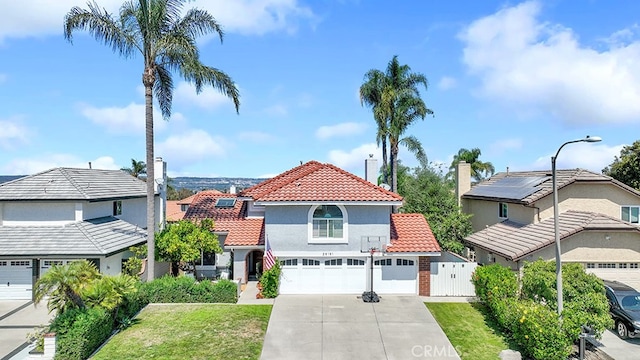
{"points": [[254, 265]]}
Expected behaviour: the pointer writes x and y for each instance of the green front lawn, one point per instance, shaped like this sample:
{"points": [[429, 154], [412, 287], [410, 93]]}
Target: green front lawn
{"points": [[192, 331], [470, 329]]}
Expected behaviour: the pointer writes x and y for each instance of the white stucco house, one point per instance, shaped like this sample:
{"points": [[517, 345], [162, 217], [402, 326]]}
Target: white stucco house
{"points": [[320, 222], [65, 214]]}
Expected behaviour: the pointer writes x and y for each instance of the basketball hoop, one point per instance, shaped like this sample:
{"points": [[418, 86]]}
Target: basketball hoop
{"points": [[371, 296]]}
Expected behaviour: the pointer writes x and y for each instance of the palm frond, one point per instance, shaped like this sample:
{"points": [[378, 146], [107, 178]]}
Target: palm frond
{"points": [[163, 89], [198, 23], [415, 146], [200, 74]]}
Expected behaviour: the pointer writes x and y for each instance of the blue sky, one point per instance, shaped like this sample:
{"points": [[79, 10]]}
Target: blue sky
{"points": [[515, 79]]}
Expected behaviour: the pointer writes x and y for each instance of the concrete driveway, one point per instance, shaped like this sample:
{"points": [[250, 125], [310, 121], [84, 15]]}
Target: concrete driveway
{"points": [[617, 348], [17, 319], [344, 327]]}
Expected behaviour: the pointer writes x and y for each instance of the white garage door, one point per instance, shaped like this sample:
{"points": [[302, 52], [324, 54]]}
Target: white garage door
{"points": [[323, 276], [395, 276], [45, 265], [15, 279]]}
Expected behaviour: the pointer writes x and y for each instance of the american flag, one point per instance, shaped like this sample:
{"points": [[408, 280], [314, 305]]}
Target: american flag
{"points": [[269, 260]]}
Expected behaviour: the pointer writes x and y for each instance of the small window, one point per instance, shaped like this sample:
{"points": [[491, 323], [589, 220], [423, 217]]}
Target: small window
{"points": [[289, 262], [117, 208], [355, 262], [21, 263], [310, 262], [333, 262], [622, 266], [3, 263], [630, 214], [404, 262], [606, 266], [382, 262], [327, 222], [591, 266], [184, 207], [52, 262], [503, 212], [225, 202], [208, 258]]}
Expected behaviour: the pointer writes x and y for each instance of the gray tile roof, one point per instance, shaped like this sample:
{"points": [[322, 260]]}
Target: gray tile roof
{"points": [[514, 241], [101, 236], [74, 184], [531, 191]]}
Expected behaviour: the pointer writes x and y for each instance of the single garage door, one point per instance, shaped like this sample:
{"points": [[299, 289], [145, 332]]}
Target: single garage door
{"points": [[45, 265], [15, 279], [395, 276], [323, 276]]}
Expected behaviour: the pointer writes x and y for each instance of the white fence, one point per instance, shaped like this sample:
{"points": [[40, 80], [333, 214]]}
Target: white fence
{"points": [[452, 278]]}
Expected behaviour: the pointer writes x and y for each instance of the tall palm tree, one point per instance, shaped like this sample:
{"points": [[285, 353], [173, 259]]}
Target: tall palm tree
{"points": [[394, 96], [479, 170], [64, 285], [137, 168], [166, 42]]}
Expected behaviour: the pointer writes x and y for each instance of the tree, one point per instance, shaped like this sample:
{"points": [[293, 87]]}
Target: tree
{"points": [[64, 285], [425, 191], [137, 168], [626, 167], [395, 100], [167, 44], [479, 170], [186, 242]]}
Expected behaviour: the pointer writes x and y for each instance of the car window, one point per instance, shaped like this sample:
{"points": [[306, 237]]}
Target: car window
{"points": [[610, 297], [631, 302]]}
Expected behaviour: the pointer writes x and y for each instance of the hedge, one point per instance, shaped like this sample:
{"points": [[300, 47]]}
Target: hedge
{"points": [[80, 332], [184, 289]]}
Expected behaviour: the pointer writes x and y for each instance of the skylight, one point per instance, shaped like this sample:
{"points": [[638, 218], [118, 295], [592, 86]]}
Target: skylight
{"points": [[225, 202]]}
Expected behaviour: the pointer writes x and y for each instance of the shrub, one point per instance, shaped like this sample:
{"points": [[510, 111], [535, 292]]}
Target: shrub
{"points": [[537, 329], [494, 282], [270, 281], [80, 332], [184, 289]]}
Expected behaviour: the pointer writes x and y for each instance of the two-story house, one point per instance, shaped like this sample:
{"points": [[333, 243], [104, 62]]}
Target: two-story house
{"points": [[513, 220], [321, 223], [65, 214]]}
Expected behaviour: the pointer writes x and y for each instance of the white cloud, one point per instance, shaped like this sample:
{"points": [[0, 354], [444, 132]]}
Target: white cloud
{"points": [[533, 65], [256, 137], [190, 147], [258, 16], [28, 166], [13, 133], [128, 120], [594, 157], [353, 160], [277, 110], [447, 82], [19, 19], [208, 99], [340, 130]]}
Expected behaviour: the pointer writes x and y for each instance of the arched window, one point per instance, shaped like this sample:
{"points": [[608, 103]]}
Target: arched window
{"points": [[327, 222]]}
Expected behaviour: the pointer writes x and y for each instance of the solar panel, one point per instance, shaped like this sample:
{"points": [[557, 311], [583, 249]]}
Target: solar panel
{"points": [[514, 188], [225, 202]]}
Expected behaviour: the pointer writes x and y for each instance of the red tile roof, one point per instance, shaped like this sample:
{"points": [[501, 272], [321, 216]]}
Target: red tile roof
{"points": [[411, 233], [314, 181], [174, 208], [246, 232], [203, 206]]}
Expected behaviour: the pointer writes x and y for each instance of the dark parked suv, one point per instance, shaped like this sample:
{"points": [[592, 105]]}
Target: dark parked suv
{"points": [[624, 306]]}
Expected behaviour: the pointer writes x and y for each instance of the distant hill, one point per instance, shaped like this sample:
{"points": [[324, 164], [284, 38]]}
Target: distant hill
{"points": [[5, 178], [220, 184]]}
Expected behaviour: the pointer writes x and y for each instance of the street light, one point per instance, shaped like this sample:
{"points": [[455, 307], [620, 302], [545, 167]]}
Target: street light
{"points": [[588, 139]]}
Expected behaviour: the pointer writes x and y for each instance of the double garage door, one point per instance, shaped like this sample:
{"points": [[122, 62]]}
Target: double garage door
{"points": [[347, 276], [16, 277]]}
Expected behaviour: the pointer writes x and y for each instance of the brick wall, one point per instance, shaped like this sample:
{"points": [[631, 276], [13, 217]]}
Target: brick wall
{"points": [[424, 276]]}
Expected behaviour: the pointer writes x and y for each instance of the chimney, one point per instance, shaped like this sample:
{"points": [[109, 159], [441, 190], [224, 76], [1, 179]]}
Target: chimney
{"points": [[371, 170], [232, 189], [463, 180]]}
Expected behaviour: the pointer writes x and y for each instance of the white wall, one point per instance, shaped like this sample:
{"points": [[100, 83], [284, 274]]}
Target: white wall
{"points": [[111, 265], [29, 213]]}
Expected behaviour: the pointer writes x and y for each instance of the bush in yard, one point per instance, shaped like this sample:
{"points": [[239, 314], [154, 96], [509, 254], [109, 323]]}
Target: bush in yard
{"points": [[584, 300], [184, 289], [80, 332], [537, 330], [270, 281], [494, 282]]}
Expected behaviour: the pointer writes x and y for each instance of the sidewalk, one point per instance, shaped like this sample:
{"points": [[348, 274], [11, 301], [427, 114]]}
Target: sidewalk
{"points": [[248, 296]]}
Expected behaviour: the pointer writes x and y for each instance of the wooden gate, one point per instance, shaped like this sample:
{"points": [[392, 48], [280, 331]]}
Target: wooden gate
{"points": [[452, 278]]}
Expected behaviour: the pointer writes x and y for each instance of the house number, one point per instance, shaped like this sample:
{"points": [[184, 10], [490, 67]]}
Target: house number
{"points": [[327, 254]]}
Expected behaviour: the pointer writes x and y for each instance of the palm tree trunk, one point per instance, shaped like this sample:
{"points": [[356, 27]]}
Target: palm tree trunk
{"points": [[394, 168], [385, 162], [148, 79]]}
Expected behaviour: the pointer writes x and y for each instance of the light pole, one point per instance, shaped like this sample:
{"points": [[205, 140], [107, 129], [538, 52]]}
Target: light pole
{"points": [[555, 215]]}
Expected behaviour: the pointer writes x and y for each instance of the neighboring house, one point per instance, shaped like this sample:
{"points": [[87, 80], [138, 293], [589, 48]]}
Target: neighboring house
{"points": [[513, 220], [65, 214], [177, 208], [320, 222]]}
